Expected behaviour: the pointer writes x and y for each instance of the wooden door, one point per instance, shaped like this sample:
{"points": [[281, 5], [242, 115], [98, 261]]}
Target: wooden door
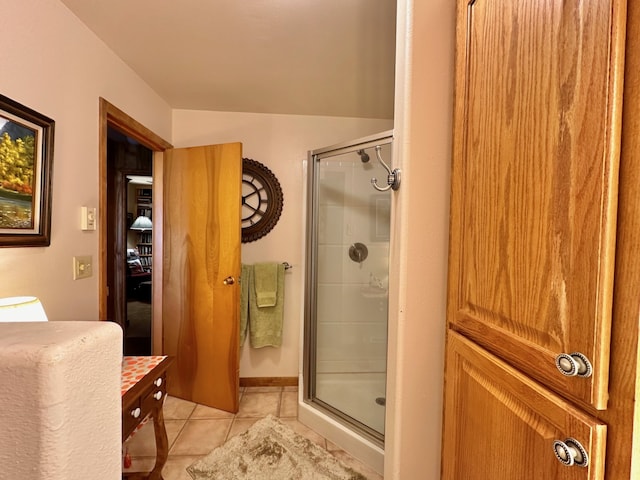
{"points": [[510, 423], [201, 268], [534, 184]]}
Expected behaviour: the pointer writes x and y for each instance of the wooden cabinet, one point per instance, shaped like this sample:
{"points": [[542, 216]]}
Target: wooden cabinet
{"points": [[535, 184], [511, 422], [543, 211]]}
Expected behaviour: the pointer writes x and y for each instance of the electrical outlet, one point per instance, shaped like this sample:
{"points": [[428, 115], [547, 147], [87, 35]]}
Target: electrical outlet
{"points": [[82, 267]]}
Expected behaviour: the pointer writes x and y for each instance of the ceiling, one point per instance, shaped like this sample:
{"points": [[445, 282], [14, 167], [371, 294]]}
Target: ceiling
{"points": [[307, 57]]}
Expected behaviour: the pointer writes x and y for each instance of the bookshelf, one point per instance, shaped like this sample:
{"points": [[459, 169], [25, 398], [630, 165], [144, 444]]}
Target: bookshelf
{"points": [[144, 200]]}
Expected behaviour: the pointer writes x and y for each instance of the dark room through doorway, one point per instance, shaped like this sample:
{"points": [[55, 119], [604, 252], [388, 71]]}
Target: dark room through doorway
{"points": [[129, 240]]}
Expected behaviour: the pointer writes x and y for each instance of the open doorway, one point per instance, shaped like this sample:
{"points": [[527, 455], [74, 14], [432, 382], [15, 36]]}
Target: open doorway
{"points": [[139, 265], [129, 239], [113, 228]]}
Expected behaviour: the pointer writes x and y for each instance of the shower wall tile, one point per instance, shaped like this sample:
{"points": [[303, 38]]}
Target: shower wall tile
{"points": [[361, 178], [364, 365], [333, 185], [352, 303], [359, 224], [380, 217], [351, 347], [368, 221], [355, 395], [335, 266], [353, 340], [330, 263], [330, 225]]}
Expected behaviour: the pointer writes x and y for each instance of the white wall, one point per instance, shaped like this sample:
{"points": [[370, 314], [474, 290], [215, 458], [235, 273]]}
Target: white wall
{"points": [[55, 65], [280, 142], [424, 104]]}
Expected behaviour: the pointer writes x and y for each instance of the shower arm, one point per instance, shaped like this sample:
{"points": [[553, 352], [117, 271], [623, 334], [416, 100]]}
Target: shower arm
{"points": [[393, 176]]}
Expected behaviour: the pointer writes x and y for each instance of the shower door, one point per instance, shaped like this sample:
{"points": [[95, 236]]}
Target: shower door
{"points": [[347, 283]]}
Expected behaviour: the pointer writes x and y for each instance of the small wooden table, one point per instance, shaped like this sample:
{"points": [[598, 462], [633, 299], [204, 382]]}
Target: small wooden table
{"points": [[143, 392]]}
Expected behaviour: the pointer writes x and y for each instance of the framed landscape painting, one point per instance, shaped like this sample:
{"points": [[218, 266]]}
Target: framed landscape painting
{"points": [[26, 157]]}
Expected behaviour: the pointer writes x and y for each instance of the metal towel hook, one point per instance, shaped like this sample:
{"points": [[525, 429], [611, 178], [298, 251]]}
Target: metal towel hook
{"points": [[393, 177]]}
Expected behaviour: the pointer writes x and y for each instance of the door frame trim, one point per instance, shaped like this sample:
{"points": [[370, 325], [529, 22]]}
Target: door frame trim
{"points": [[112, 116]]}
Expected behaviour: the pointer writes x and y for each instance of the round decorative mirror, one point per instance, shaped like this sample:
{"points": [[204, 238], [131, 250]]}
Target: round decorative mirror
{"points": [[262, 200]]}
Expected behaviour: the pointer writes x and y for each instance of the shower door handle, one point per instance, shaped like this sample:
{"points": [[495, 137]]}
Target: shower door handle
{"points": [[229, 281]]}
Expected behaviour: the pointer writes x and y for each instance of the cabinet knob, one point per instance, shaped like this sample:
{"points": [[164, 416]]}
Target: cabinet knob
{"points": [[135, 413], [229, 281], [157, 382], [570, 453], [157, 395], [574, 364]]}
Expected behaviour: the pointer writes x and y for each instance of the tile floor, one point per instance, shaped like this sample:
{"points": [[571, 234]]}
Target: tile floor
{"points": [[194, 430]]}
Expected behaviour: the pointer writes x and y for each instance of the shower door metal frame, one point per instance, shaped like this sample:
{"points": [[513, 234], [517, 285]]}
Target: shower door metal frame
{"points": [[311, 280]]}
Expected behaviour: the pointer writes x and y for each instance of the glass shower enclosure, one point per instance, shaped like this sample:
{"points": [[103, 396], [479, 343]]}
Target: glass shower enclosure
{"points": [[348, 233]]}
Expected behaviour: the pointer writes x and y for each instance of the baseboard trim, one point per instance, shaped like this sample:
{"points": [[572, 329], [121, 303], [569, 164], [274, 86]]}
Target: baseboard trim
{"points": [[269, 381]]}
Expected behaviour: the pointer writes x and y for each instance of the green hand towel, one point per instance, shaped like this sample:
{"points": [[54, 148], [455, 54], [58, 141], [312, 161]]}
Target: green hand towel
{"points": [[265, 276], [265, 323], [246, 279]]}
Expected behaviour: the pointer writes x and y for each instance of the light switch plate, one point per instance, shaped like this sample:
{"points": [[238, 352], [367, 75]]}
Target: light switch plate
{"points": [[88, 218], [82, 267]]}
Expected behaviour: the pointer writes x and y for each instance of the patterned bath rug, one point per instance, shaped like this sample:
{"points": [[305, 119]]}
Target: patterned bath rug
{"points": [[270, 450]]}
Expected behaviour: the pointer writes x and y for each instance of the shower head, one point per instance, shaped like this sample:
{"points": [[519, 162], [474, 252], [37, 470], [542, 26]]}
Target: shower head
{"points": [[364, 156]]}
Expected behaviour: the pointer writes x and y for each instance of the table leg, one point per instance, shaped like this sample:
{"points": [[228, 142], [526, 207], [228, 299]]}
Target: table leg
{"points": [[162, 442]]}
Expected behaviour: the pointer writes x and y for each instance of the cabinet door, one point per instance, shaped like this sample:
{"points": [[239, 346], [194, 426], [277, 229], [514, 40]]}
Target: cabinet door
{"points": [[501, 425], [536, 144]]}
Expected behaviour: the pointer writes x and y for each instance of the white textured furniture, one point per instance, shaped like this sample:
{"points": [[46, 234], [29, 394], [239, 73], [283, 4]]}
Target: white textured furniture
{"points": [[60, 403]]}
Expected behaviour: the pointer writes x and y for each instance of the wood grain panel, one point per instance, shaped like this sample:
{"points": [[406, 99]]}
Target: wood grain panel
{"points": [[623, 411], [268, 381], [201, 248], [501, 425], [536, 144]]}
